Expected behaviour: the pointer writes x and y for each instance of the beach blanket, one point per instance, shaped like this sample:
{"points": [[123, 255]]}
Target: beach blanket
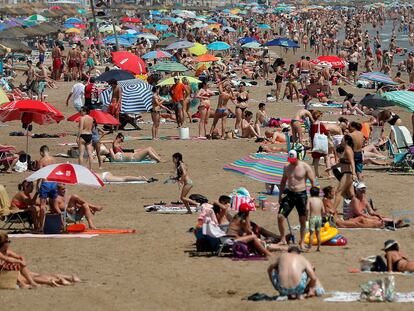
{"points": [[164, 138], [351, 270], [54, 236], [326, 105], [355, 296], [169, 209], [109, 231], [262, 167], [145, 161], [125, 182]]}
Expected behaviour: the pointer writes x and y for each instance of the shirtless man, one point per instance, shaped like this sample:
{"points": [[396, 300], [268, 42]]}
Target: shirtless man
{"points": [[41, 46], [47, 189], [41, 77], [295, 174], [115, 107], [305, 67], [358, 139], [248, 130], [226, 94], [85, 136], [30, 81], [335, 132], [76, 208], [293, 275], [296, 124], [73, 61], [187, 99], [57, 61]]}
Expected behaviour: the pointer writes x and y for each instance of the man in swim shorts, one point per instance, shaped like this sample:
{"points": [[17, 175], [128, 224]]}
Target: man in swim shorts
{"points": [[358, 140], [293, 276], [295, 174], [85, 136]]}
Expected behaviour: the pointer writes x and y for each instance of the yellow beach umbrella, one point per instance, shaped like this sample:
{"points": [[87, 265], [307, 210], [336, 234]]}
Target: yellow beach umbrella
{"points": [[72, 30], [214, 26], [234, 11], [3, 97], [170, 81], [198, 49]]}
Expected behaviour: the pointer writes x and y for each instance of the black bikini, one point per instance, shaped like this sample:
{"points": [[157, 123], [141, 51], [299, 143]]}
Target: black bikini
{"points": [[242, 100], [87, 138]]}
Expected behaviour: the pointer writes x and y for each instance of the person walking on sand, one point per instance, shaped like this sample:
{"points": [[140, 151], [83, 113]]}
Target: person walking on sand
{"points": [[315, 209], [115, 106], [184, 181], [85, 136], [295, 174]]}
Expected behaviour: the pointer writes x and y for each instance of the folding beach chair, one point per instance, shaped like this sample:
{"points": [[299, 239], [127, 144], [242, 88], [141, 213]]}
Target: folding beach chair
{"points": [[11, 217], [6, 156], [401, 147], [214, 231]]}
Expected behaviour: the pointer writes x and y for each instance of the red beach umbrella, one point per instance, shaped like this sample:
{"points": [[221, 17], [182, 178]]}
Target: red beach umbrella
{"points": [[130, 20], [129, 62], [101, 117], [334, 61]]}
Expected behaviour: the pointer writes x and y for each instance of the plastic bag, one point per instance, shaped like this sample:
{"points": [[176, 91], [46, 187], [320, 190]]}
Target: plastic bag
{"points": [[379, 290], [320, 142]]}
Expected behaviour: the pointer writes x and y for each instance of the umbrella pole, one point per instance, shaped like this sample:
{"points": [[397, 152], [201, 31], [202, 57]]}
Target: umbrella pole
{"points": [[27, 140]]}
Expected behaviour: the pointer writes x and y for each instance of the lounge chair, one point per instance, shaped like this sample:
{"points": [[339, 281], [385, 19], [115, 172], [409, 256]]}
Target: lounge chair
{"points": [[214, 231], [12, 217], [401, 148]]}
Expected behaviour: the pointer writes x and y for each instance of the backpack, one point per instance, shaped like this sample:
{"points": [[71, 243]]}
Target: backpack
{"points": [[241, 250], [199, 198]]}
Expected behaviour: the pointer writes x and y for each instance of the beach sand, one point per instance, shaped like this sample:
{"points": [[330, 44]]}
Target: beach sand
{"points": [[154, 269]]}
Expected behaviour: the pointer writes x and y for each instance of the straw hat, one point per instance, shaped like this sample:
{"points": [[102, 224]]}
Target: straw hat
{"points": [[389, 243]]}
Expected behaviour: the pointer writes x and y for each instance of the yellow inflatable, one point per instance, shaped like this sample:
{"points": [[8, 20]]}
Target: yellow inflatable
{"points": [[327, 233]]}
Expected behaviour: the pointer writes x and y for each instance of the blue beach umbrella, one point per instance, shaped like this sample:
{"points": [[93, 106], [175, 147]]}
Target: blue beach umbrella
{"points": [[377, 77], [74, 20], [218, 46], [157, 27], [286, 43], [245, 40], [264, 26]]}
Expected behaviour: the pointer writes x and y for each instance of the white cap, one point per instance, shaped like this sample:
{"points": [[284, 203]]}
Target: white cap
{"points": [[284, 126], [293, 154], [74, 46], [359, 185]]}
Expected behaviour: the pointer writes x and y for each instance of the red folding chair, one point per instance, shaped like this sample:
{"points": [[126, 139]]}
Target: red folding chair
{"points": [[7, 156]]}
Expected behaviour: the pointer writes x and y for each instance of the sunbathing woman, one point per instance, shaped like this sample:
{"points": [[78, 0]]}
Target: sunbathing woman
{"points": [[396, 260], [118, 155], [10, 261], [23, 200], [109, 177], [184, 181]]}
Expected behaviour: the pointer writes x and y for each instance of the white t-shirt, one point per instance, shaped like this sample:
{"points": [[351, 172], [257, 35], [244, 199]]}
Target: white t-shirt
{"points": [[78, 92]]}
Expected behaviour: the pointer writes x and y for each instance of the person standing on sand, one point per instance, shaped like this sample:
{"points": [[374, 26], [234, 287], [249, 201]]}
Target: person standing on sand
{"points": [[222, 111], [293, 275], [178, 92], [116, 100], [295, 174], [57, 62], [41, 46], [358, 139], [85, 136]]}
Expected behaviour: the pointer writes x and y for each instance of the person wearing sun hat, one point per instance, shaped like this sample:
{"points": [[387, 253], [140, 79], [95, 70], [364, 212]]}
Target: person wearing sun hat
{"points": [[396, 260], [293, 193], [240, 229]]}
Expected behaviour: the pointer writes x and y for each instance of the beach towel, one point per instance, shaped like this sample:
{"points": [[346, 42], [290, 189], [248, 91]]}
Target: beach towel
{"points": [[169, 209], [109, 231], [353, 270], [164, 138], [337, 296], [326, 105], [145, 161], [54, 236]]}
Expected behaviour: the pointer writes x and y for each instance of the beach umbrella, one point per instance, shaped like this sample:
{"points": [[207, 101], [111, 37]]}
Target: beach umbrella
{"points": [[72, 30], [101, 117], [198, 49], [36, 18], [129, 62], [169, 67], [334, 61], [156, 55], [199, 25], [136, 96], [81, 11], [73, 20], [252, 45], [109, 29], [218, 46], [148, 36], [284, 42], [169, 34], [67, 173], [264, 26], [164, 42], [180, 45], [375, 101], [157, 27], [267, 168], [214, 26], [245, 40], [130, 20], [170, 81], [121, 41], [376, 76], [206, 58], [116, 74], [403, 99], [229, 29], [55, 7]]}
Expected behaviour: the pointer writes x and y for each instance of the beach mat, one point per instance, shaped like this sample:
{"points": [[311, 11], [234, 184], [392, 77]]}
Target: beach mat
{"points": [[53, 236], [164, 138], [145, 161], [125, 182], [168, 209], [355, 296], [109, 231], [358, 271]]}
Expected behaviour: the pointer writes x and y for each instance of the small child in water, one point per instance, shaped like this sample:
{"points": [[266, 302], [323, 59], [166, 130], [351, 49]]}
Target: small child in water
{"points": [[315, 209]]}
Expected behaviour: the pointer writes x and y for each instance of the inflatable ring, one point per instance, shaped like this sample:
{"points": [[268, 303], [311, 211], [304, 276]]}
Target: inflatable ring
{"points": [[338, 240], [327, 233]]}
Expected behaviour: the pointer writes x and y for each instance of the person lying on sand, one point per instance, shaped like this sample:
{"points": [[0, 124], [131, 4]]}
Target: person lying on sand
{"points": [[292, 275], [11, 261], [275, 137], [396, 260], [109, 177], [117, 154], [76, 207]]}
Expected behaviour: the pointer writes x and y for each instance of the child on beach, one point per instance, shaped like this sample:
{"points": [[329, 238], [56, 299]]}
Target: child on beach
{"points": [[315, 210]]}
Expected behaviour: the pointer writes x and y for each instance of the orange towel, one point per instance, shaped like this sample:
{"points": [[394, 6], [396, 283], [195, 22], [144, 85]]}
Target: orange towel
{"points": [[366, 130]]}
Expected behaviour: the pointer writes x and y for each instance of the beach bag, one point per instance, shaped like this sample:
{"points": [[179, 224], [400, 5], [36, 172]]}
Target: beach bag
{"points": [[199, 198], [378, 290], [320, 142], [240, 250]]}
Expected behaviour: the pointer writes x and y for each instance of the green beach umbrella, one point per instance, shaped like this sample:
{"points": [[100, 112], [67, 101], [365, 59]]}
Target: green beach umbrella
{"points": [[169, 67], [252, 45], [36, 18], [169, 34], [403, 99], [170, 81]]}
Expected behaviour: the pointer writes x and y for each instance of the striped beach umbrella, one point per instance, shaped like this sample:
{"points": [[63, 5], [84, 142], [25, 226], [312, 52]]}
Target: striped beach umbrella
{"points": [[403, 99], [376, 76], [136, 96], [169, 67], [156, 55]]}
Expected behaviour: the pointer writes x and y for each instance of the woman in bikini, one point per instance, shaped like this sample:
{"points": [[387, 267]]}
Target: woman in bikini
{"points": [[157, 104], [108, 177], [226, 94], [118, 155], [396, 260], [184, 181], [203, 95], [187, 99], [280, 72], [291, 85], [241, 105], [23, 200]]}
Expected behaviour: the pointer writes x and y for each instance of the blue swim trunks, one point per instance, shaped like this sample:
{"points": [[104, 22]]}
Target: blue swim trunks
{"points": [[48, 190], [298, 290]]}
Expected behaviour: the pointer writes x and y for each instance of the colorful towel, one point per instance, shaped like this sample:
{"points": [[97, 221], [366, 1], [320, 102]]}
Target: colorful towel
{"points": [[169, 209], [355, 296], [262, 167], [54, 236], [108, 231]]}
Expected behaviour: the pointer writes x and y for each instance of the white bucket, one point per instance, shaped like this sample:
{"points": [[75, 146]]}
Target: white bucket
{"points": [[184, 133]]}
